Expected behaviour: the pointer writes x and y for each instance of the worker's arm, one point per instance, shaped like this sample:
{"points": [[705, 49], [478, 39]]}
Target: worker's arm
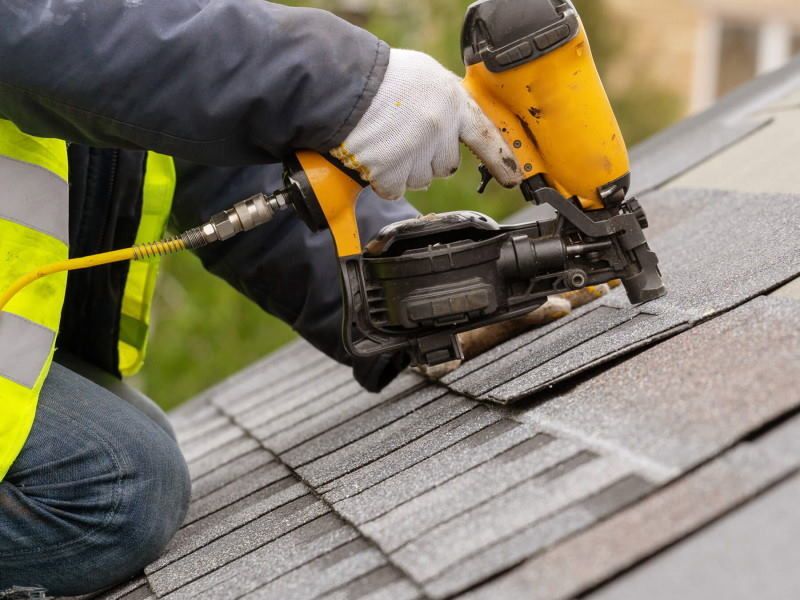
{"points": [[224, 82], [236, 82], [284, 267]]}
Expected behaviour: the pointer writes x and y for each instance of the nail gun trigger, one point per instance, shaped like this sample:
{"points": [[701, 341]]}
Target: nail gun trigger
{"points": [[486, 178]]}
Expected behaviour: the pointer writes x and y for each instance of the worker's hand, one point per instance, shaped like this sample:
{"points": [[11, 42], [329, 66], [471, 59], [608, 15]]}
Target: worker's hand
{"points": [[411, 131], [478, 341]]}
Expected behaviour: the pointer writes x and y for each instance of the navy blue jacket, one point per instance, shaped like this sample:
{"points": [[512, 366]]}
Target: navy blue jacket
{"points": [[229, 88]]}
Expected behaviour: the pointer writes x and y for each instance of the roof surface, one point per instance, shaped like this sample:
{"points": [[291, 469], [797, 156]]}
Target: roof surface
{"points": [[650, 451]]}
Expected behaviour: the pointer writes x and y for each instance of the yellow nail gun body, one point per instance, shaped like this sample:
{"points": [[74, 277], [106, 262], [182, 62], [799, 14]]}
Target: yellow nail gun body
{"points": [[419, 283], [543, 92]]}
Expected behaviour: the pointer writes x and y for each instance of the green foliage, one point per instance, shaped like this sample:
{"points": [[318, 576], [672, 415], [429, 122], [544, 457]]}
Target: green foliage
{"points": [[644, 110], [205, 331]]}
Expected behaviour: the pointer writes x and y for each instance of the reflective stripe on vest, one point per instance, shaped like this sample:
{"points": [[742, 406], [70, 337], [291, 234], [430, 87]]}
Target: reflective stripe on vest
{"points": [[159, 187], [34, 218]]}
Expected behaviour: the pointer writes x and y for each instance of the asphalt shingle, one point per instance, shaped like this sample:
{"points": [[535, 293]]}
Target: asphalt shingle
{"points": [[764, 254], [200, 533], [479, 529], [205, 559], [222, 457], [264, 405], [624, 540], [384, 441], [697, 139], [537, 538], [283, 368], [329, 412], [693, 396], [229, 473], [359, 426], [213, 440], [751, 553], [283, 554], [254, 480], [407, 521], [475, 425], [384, 583], [333, 569]]}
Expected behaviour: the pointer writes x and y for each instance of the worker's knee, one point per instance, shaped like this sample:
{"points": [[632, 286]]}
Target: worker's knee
{"points": [[107, 486], [155, 496]]}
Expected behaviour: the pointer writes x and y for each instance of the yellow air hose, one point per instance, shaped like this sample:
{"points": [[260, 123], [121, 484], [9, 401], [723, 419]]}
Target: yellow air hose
{"points": [[244, 216], [141, 252]]}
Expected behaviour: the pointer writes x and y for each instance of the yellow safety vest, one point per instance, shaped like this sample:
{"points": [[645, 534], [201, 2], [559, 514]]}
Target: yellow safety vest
{"points": [[34, 230]]}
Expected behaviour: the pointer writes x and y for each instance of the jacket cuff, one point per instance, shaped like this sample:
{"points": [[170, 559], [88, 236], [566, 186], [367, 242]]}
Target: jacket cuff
{"points": [[375, 374], [374, 80]]}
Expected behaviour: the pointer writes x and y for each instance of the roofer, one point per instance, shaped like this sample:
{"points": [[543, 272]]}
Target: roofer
{"points": [[171, 110]]}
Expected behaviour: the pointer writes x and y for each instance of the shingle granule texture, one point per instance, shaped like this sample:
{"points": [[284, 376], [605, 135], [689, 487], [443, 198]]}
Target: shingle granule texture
{"points": [[728, 249]]}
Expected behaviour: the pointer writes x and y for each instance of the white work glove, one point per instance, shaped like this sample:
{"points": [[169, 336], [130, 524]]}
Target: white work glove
{"points": [[411, 131]]}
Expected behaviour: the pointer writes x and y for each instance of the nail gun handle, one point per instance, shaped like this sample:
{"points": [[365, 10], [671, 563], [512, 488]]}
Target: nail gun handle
{"points": [[328, 195]]}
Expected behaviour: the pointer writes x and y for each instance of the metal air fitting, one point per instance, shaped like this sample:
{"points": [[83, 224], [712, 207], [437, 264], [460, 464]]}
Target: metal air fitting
{"points": [[244, 216]]}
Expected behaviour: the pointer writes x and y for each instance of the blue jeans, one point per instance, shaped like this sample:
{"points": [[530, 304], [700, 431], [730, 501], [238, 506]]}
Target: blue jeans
{"points": [[97, 492]]}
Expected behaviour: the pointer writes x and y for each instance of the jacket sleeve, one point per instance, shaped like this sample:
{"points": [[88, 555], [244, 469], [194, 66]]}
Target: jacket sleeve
{"points": [[220, 82], [282, 266]]}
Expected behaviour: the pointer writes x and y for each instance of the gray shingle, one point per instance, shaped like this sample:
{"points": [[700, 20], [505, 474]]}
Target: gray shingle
{"points": [[278, 367], [357, 427], [137, 585], [229, 473], [528, 542], [192, 414], [313, 399], [671, 152], [141, 593], [497, 558], [213, 440], [552, 343], [285, 492], [239, 542], [630, 536], [195, 431], [658, 165], [384, 583], [426, 447], [790, 290], [692, 396], [751, 553], [265, 403], [756, 170], [437, 471], [491, 479], [384, 441], [271, 561], [400, 590], [484, 526], [236, 490], [325, 573], [712, 242], [221, 457], [330, 411]]}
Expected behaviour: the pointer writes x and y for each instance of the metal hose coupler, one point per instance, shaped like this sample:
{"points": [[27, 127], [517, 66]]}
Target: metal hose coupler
{"points": [[244, 216]]}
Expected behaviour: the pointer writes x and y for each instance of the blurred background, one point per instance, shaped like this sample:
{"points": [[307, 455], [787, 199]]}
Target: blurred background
{"points": [[660, 61]]}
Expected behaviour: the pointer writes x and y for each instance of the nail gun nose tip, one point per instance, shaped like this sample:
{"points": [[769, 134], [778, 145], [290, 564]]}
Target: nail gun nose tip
{"points": [[648, 295]]}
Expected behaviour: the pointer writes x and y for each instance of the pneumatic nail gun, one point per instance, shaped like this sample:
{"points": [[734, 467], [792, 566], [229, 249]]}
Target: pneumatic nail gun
{"points": [[421, 282]]}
